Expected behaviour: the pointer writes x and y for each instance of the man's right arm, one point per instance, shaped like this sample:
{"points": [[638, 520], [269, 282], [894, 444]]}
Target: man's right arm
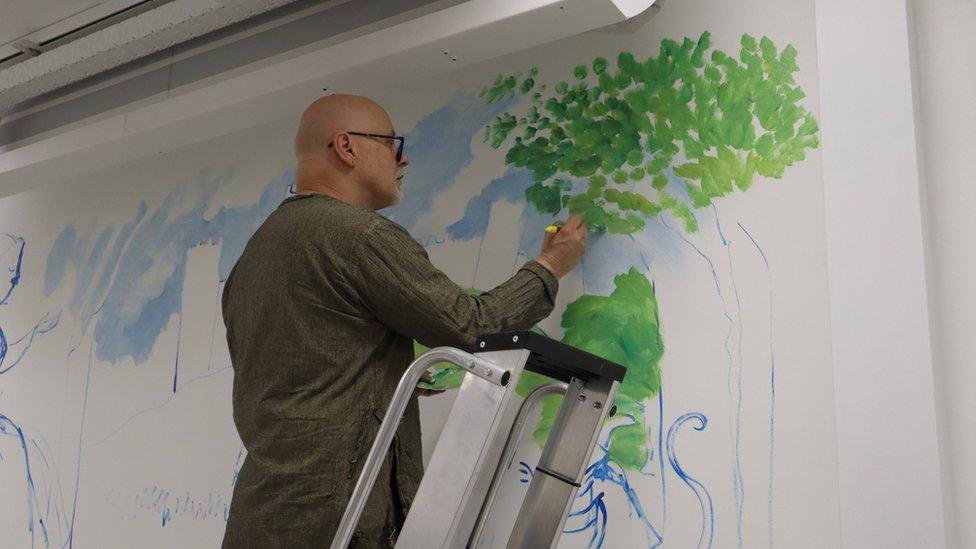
{"points": [[401, 287]]}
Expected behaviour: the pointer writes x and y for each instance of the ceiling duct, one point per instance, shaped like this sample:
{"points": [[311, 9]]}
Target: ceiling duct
{"points": [[73, 28], [31, 67]]}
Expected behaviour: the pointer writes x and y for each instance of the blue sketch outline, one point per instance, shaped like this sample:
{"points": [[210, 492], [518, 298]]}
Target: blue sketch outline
{"points": [[41, 518], [772, 383], [704, 498]]}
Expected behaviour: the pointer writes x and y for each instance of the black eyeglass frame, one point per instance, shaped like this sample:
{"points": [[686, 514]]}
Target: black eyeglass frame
{"points": [[399, 153]]}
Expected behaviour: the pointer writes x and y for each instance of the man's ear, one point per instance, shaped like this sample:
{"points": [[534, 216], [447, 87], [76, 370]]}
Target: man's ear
{"points": [[344, 149]]}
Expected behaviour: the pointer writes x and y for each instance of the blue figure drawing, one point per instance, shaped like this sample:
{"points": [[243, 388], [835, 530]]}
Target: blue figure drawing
{"points": [[11, 259], [25, 470]]}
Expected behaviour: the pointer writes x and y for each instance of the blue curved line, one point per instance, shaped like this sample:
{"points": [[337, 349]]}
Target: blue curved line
{"points": [[25, 346], [737, 483], [142, 411], [772, 383], [15, 279], [31, 494], [718, 226], [603, 470], [660, 452], [704, 499], [81, 438], [3, 346]]}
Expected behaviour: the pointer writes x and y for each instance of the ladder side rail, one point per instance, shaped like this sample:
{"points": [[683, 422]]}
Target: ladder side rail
{"points": [[563, 463], [483, 368], [511, 445]]}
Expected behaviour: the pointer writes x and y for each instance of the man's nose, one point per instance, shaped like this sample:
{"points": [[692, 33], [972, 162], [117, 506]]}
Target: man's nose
{"points": [[404, 160]]}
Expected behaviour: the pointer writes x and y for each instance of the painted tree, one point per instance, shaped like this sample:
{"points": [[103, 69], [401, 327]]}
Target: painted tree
{"points": [[601, 145], [621, 145]]}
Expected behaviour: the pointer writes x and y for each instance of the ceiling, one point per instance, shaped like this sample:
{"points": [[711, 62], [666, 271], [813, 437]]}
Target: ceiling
{"points": [[18, 18]]}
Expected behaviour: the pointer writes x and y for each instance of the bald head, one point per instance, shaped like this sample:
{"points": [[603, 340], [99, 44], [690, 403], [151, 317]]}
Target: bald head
{"points": [[332, 114], [334, 157]]}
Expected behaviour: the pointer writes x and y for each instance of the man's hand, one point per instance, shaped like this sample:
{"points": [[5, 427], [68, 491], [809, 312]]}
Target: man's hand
{"points": [[562, 250]]}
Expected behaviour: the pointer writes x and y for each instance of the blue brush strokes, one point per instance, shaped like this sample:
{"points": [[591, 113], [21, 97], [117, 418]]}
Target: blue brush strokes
{"points": [[525, 472], [605, 253], [59, 258], [439, 148], [97, 295], [510, 187], [85, 276], [704, 499], [597, 519], [533, 229], [594, 511], [170, 506], [139, 285], [135, 274]]}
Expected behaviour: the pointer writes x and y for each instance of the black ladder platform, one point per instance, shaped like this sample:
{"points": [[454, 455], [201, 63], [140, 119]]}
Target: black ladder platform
{"points": [[553, 358]]}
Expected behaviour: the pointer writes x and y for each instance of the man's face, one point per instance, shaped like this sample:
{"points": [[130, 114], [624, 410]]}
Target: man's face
{"points": [[381, 174]]}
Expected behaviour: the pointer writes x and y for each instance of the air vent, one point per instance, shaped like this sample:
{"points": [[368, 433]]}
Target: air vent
{"points": [[55, 35]]}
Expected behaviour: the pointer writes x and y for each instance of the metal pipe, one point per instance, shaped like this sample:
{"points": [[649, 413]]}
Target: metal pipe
{"points": [[514, 435], [485, 369]]}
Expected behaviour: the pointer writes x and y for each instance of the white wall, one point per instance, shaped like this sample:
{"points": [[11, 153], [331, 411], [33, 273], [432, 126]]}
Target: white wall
{"points": [[877, 150], [890, 483], [946, 84]]}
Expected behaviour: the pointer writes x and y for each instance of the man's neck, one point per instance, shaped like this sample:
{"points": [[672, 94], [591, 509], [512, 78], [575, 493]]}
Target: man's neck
{"points": [[340, 194], [314, 177]]}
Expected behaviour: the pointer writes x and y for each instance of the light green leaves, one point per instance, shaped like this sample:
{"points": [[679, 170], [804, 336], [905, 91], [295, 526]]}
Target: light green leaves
{"points": [[622, 327], [716, 120]]}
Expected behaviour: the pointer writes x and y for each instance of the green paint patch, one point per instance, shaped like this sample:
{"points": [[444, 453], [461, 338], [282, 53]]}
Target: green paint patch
{"points": [[622, 327], [718, 120]]}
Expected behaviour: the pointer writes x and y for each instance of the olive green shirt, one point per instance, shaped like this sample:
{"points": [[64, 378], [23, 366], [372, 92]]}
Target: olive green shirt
{"points": [[321, 310]]}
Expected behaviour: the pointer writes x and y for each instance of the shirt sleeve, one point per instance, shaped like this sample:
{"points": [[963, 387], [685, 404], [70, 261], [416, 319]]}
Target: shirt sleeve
{"points": [[401, 287]]}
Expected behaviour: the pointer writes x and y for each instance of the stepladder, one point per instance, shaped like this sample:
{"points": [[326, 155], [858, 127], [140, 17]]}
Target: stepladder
{"points": [[455, 502]]}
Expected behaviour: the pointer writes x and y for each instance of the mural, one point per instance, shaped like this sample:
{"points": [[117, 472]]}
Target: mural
{"points": [[663, 150], [681, 127]]}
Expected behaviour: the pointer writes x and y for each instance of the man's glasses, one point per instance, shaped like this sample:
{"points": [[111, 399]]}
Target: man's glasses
{"points": [[399, 152]]}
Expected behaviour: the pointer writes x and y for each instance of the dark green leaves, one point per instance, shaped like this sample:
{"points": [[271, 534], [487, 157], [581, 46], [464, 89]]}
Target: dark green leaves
{"points": [[622, 327], [727, 119]]}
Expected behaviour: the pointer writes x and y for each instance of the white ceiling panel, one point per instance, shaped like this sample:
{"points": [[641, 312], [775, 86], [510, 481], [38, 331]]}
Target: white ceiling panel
{"points": [[19, 18]]}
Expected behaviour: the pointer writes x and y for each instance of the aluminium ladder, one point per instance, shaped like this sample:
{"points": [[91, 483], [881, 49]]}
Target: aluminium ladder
{"points": [[452, 508]]}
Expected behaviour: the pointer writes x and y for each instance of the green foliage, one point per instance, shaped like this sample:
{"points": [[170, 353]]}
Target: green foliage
{"points": [[717, 120], [622, 327]]}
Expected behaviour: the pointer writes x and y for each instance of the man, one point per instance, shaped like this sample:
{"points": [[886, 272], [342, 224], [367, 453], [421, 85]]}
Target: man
{"points": [[321, 310]]}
